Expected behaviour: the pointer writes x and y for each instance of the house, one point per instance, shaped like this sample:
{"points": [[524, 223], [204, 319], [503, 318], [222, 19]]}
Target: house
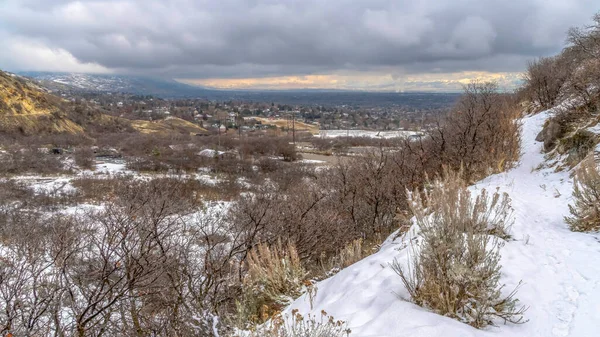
{"points": [[231, 117]]}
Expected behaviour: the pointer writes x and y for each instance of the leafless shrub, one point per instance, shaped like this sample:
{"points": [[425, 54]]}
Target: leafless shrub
{"points": [[268, 165], [585, 212], [29, 281], [481, 134], [267, 146], [587, 39], [321, 212], [30, 160], [84, 158], [146, 164], [544, 79], [232, 166], [456, 269], [97, 189], [584, 83], [298, 215], [366, 192], [144, 265]]}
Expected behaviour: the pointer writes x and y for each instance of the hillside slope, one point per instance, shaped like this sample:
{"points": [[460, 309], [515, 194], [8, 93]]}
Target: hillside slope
{"points": [[27, 109], [559, 268]]}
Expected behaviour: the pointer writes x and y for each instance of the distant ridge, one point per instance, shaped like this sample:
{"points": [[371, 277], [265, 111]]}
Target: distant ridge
{"points": [[168, 88]]}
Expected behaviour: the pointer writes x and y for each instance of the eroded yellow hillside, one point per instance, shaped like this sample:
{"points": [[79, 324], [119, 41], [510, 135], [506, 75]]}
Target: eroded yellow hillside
{"points": [[27, 109]]}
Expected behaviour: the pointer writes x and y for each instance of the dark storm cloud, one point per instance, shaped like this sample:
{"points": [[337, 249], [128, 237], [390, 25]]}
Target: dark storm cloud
{"points": [[242, 38]]}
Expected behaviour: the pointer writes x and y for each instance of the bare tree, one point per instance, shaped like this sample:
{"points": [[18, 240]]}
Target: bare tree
{"points": [[587, 39], [544, 79]]}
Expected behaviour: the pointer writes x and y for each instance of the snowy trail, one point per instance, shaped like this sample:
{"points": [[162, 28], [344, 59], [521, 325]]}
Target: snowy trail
{"points": [[560, 269]]}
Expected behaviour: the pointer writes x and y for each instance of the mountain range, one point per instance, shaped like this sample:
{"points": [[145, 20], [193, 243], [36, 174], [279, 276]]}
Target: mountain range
{"points": [[169, 88]]}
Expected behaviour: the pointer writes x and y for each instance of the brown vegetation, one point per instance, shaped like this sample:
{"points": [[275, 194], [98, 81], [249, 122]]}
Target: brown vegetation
{"points": [[275, 277]]}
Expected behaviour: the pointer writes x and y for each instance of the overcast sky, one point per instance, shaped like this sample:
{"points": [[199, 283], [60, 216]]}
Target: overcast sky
{"points": [[357, 44]]}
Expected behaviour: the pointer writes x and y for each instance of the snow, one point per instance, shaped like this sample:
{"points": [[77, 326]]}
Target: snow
{"points": [[311, 161], [559, 268], [103, 167], [366, 133], [40, 184], [210, 153]]}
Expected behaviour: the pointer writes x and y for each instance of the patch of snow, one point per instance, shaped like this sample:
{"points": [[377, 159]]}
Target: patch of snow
{"points": [[103, 167], [51, 185], [208, 179], [311, 161], [210, 153], [367, 133], [594, 129]]}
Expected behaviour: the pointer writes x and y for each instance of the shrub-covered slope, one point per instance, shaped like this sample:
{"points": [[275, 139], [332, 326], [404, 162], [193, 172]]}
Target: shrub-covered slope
{"points": [[558, 267]]}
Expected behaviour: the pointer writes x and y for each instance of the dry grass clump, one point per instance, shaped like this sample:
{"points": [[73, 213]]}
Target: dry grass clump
{"points": [[351, 253], [275, 277], [585, 212], [300, 326], [456, 270], [450, 202]]}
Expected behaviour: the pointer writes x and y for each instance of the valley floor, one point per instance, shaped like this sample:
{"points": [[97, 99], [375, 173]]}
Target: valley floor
{"points": [[560, 269]]}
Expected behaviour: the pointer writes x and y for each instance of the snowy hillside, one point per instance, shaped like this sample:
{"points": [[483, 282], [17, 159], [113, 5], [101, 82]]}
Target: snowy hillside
{"points": [[559, 268]]}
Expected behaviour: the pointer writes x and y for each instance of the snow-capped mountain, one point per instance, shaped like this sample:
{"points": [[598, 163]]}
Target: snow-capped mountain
{"points": [[115, 83]]}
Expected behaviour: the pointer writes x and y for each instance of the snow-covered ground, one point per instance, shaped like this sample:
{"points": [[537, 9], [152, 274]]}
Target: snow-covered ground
{"points": [[115, 167], [366, 133], [560, 269]]}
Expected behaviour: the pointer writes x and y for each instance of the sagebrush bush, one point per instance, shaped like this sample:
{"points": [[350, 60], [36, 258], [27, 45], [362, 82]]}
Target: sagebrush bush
{"points": [[275, 277], [450, 202], [299, 326], [585, 211], [456, 270]]}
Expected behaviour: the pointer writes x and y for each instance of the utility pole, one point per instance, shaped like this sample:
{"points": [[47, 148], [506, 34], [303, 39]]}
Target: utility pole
{"points": [[294, 127]]}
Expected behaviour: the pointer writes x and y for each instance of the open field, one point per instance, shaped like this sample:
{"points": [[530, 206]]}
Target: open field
{"points": [[167, 125], [285, 123]]}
